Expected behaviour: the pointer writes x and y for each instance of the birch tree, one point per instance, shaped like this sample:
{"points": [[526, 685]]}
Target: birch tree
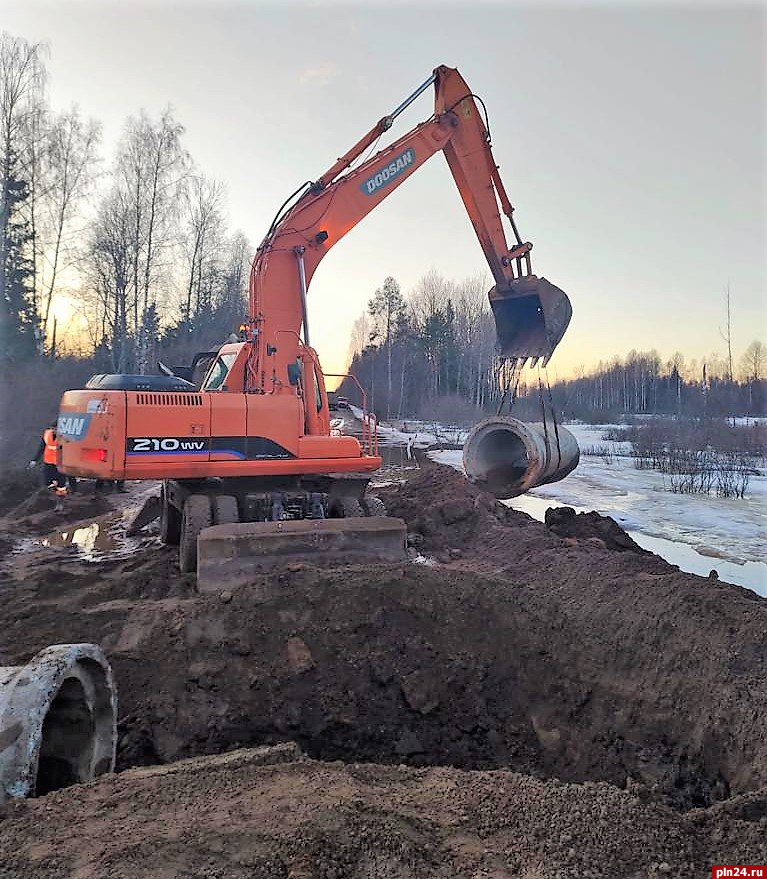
{"points": [[71, 158], [151, 168], [108, 265], [386, 308], [203, 244]]}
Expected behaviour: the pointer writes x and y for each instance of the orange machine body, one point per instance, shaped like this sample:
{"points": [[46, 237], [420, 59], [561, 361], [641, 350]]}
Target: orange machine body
{"points": [[219, 430]]}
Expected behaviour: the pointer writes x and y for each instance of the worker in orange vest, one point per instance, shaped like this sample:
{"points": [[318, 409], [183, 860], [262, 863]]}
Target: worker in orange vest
{"points": [[48, 450]]}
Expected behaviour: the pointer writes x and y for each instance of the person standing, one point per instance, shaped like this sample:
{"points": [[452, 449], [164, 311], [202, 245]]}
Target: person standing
{"points": [[48, 450]]}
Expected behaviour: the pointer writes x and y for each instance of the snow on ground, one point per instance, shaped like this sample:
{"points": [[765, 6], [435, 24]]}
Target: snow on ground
{"points": [[696, 532], [420, 434]]}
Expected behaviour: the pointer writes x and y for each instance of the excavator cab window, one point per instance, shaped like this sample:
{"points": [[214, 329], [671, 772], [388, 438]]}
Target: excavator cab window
{"points": [[317, 394], [218, 372]]}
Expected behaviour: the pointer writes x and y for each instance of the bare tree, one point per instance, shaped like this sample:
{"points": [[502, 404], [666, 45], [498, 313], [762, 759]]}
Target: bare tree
{"points": [[754, 361], [360, 335], [753, 365], [203, 234], [385, 308], [471, 306], [727, 336], [430, 300], [107, 269], [70, 163], [151, 167], [238, 255]]}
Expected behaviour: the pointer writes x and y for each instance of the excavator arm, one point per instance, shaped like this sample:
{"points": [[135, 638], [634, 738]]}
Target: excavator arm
{"points": [[531, 314]]}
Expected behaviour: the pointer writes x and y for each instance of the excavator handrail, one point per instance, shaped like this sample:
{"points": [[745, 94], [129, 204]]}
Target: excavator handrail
{"points": [[369, 421]]}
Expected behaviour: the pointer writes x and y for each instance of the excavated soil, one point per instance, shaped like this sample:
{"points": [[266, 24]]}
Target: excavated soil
{"points": [[36, 514], [561, 656], [232, 818]]}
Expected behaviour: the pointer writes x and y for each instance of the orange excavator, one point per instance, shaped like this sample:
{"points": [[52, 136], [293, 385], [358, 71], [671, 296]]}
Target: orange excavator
{"points": [[254, 442]]}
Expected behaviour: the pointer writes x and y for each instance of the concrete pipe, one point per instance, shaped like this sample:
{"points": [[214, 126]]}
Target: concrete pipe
{"points": [[508, 457], [58, 720]]}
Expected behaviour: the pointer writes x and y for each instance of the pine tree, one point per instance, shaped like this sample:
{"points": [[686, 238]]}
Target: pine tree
{"points": [[19, 324]]}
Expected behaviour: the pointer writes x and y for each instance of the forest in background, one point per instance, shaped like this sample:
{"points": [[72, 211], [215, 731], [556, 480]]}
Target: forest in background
{"points": [[136, 244], [431, 355]]}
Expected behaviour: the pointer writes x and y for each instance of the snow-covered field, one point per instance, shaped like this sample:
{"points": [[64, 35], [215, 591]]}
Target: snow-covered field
{"points": [[696, 532]]}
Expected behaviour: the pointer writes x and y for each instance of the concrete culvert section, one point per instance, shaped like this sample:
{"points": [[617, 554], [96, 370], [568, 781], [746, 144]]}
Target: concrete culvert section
{"points": [[508, 457], [57, 720]]}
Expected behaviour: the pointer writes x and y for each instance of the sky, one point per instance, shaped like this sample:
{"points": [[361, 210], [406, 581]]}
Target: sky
{"points": [[630, 137]]}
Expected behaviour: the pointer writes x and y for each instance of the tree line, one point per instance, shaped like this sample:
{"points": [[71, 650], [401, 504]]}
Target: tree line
{"points": [[122, 240], [431, 354], [643, 383], [426, 352]]}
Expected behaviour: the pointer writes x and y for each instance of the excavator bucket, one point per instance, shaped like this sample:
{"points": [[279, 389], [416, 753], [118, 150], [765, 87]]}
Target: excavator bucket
{"points": [[531, 316]]}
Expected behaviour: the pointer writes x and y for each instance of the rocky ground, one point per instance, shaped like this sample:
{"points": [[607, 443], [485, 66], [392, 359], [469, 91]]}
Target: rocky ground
{"points": [[528, 701]]}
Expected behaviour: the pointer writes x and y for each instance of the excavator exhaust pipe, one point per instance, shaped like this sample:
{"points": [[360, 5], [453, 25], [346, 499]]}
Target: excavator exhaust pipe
{"points": [[531, 316], [508, 457]]}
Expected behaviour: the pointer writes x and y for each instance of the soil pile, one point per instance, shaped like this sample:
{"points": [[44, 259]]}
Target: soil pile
{"points": [[460, 524], [231, 817], [565, 522], [555, 658], [36, 514], [559, 657]]}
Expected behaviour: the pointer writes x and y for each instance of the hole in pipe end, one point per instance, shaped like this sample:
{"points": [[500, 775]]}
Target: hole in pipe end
{"points": [[497, 457]]}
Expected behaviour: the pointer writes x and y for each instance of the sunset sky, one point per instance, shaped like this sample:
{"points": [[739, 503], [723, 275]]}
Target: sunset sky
{"points": [[631, 139]]}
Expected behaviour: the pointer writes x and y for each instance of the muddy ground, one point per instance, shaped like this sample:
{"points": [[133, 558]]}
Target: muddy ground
{"points": [[567, 657]]}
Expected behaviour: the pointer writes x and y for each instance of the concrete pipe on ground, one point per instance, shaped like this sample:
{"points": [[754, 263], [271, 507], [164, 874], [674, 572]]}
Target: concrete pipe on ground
{"points": [[58, 720], [508, 457]]}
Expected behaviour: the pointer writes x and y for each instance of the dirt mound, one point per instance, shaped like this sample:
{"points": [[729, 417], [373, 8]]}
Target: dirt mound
{"points": [[576, 664], [565, 522], [556, 657], [41, 500], [232, 818], [467, 528], [16, 486], [37, 513], [445, 510]]}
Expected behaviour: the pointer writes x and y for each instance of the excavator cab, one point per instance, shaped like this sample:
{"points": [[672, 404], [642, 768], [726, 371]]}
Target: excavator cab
{"points": [[531, 316]]}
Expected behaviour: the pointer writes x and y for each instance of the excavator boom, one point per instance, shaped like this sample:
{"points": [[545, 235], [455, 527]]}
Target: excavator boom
{"points": [[531, 314]]}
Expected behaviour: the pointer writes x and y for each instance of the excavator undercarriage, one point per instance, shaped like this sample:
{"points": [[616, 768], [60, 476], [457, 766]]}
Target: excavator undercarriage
{"points": [[301, 507]]}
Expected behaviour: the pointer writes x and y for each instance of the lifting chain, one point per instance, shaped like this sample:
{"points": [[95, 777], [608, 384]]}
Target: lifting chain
{"points": [[552, 411], [508, 373]]}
